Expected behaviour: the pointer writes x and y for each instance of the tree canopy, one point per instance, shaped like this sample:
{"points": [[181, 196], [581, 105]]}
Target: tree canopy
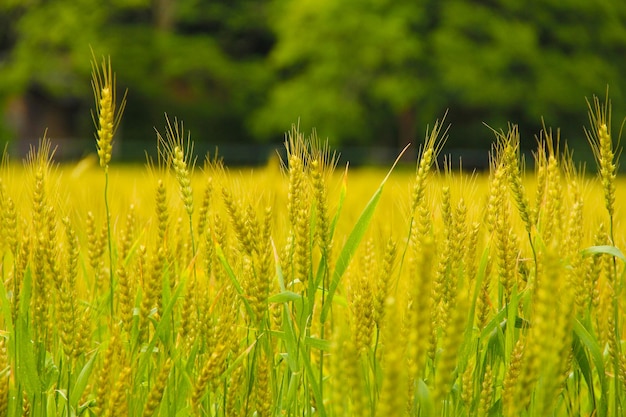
{"points": [[360, 71]]}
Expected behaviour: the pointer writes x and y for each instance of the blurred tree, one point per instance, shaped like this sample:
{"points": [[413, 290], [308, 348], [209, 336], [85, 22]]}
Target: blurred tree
{"points": [[503, 60], [357, 69], [201, 61], [376, 70], [361, 71]]}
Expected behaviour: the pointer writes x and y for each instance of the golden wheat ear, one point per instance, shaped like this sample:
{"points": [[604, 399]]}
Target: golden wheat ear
{"points": [[599, 137], [108, 114]]}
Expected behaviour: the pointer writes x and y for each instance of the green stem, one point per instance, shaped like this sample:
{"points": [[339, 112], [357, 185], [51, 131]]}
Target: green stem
{"points": [[616, 356], [617, 353], [108, 216], [193, 244], [324, 264], [69, 386]]}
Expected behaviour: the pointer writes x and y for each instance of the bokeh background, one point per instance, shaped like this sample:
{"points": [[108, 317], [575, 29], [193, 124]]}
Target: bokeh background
{"points": [[369, 75]]}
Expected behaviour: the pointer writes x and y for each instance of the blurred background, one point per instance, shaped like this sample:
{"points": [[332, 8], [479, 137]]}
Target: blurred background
{"points": [[369, 75]]}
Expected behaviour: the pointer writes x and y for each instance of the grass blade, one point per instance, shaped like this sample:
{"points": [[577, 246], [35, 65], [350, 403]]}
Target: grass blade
{"points": [[585, 367], [233, 278], [354, 239], [604, 249], [283, 297], [27, 363], [6, 309], [598, 360], [161, 328], [82, 381], [425, 399]]}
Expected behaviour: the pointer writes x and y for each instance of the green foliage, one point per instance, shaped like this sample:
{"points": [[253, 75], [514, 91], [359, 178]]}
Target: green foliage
{"points": [[362, 71], [179, 56], [346, 65], [360, 68], [526, 63]]}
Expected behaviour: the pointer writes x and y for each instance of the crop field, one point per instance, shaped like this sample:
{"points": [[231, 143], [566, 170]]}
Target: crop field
{"points": [[306, 288]]}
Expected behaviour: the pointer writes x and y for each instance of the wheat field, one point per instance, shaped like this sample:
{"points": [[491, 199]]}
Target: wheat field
{"points": [[305, 288]]}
